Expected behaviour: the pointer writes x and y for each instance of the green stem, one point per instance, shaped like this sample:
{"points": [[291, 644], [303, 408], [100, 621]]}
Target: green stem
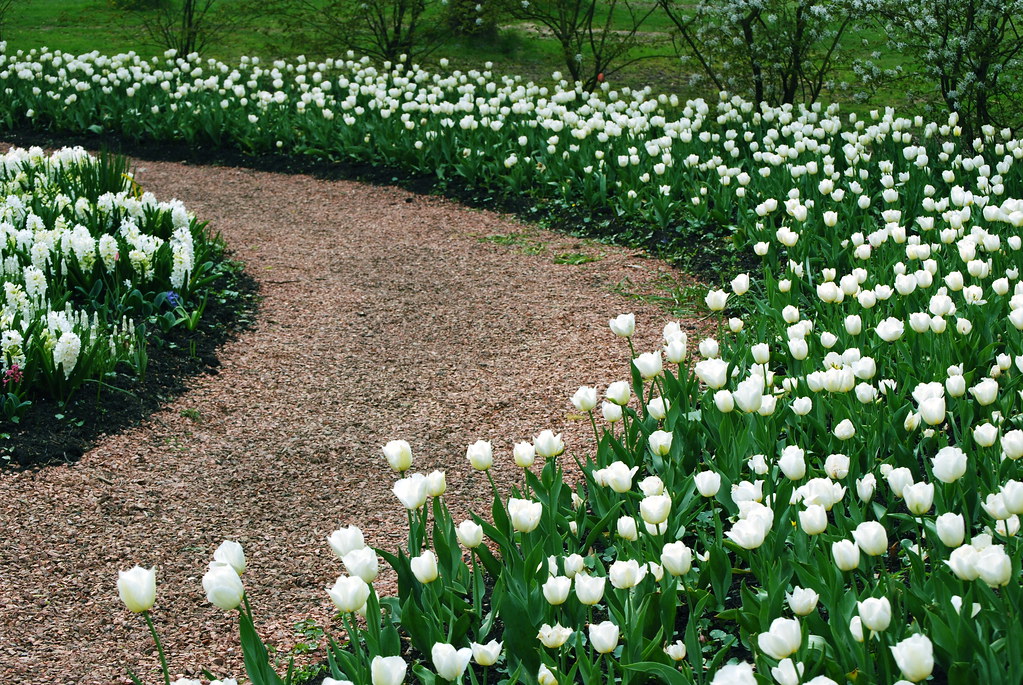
{"points": [[159, 647]]}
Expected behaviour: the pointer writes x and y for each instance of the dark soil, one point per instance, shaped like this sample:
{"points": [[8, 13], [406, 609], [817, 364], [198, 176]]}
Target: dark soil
{"points": [[53, 434]]}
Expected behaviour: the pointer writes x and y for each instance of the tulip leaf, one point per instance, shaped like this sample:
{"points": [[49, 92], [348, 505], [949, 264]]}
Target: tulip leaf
{"points": [[254, 653], [424, 675], [663, 672]]}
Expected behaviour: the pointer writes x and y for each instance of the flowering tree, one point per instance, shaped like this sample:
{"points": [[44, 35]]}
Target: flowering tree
{"points": [[771, 50], [595, 37], [970, 52]]}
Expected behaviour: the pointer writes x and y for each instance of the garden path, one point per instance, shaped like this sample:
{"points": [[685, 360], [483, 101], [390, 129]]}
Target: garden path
{"points": [[384, 316]]}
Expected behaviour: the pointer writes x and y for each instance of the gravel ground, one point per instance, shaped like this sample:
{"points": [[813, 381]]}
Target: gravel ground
{"points": [[385, 316]]}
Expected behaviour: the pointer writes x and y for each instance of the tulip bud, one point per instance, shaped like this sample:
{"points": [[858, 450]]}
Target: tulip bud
{"points": [[676, 558], [604, 637], [424, 567], [963, 562], [488, 654], [363, 563], [231, 553], [716, 300], [865, 487], [548, 445], [481, 455], [994, 566], [436, 484], [915, 657], [1012, 444], [856, 628], [985, 435], [399, 455], [627, 528], [949, 464], [708, 483], [845, 430], [223, 586], [1012, 496], [846, 555], [919, 497], [411, 491], [655, 509], [802, 601], [871, 537], [524, 514], [875, 613], [349, 593], [545, 676], [618, 476], [388, 670], [611, 412], [589, 590], [782, 639], [724, 401], [624, 325], [137, 588], [801, 406], [619, 393], [651, 485], [660, 443], [792, 462], [585, 399], [344, 540], [658, 408], [649, 365], [787, 672], [626, 574], [556, 589], [951, 529], [469, 534], [676, 651], [814, 520], [449, 662]]}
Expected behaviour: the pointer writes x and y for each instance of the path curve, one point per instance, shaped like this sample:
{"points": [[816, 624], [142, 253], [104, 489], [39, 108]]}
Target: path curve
{"points": [[384, 316]]}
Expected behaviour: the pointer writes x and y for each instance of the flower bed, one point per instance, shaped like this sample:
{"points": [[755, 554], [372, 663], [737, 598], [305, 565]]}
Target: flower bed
{"points": [[90, 263], [828, 491], [666, 172]]}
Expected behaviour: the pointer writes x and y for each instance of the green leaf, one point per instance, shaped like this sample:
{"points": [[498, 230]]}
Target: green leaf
{"points": [[254, 654], [665, 673]]}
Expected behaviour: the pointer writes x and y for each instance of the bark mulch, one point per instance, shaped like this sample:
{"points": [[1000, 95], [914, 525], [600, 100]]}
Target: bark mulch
{"points": [[386, 315]]}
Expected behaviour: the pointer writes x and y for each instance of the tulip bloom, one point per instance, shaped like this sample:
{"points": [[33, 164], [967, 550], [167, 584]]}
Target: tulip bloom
{"points": [[424, 567], [604, 637], [137, 588], [450, 662], [488, 654], [223, 586], [915, 657], [349, 593], [388, 670]]}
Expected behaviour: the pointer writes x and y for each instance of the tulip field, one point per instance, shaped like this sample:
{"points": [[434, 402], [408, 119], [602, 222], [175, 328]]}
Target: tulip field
{"points": [[825, 490]]}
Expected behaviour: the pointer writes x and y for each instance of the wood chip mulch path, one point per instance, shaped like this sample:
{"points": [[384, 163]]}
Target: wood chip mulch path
{"points": [[385, 316]]}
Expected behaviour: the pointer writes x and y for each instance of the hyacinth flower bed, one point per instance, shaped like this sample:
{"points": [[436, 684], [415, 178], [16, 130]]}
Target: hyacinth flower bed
{"points": [[91, 266], [828, 490], [649, 167]]}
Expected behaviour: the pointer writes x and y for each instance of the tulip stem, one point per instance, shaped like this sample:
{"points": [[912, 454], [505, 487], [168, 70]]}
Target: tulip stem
{"points": [[159, 647], [596, 434]]}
